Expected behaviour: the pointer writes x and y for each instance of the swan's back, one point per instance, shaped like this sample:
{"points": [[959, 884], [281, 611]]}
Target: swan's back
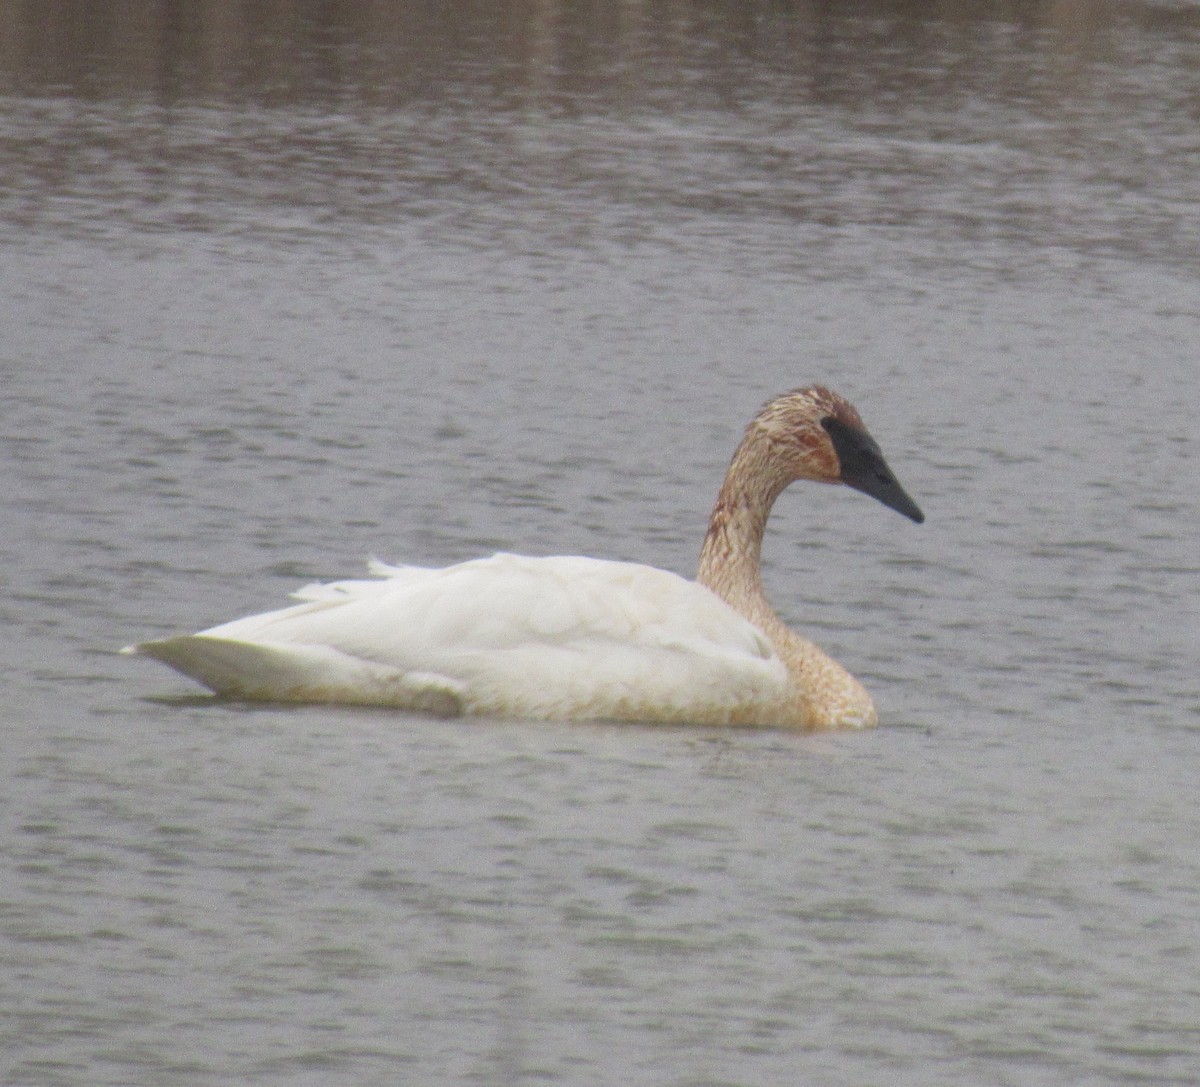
{"points": [[545, 638]]}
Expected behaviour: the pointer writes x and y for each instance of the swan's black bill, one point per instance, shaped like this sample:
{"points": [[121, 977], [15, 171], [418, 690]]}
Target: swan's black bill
{"points": [[864, 468]]}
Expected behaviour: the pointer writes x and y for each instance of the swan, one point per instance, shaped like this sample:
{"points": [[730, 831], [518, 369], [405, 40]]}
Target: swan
{"points": [[573, 638]]}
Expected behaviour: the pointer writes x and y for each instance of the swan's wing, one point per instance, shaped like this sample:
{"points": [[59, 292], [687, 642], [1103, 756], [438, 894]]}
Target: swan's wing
{"points": [[554, 637], [263, 671]]}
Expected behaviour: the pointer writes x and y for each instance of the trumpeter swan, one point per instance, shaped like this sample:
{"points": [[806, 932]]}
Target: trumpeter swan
{"points": [[576, 638]]}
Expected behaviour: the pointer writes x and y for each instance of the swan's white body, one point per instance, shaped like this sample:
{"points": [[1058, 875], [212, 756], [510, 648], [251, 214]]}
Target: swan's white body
{"points": [[575, 638], [505, 636]]}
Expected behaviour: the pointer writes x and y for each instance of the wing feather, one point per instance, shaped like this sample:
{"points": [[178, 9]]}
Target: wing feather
{"points": [[539, 637]]}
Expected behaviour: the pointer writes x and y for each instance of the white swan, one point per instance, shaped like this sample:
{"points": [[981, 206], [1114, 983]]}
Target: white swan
{"points": [[576, 638]]}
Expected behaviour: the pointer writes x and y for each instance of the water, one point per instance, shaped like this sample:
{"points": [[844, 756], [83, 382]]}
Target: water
{"points": [[280, 292]]}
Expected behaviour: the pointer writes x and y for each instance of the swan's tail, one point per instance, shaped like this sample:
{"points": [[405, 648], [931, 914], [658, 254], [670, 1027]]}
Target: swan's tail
{"points": [[280, 672]]}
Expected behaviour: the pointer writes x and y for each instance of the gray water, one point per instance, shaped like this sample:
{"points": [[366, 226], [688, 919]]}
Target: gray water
{"points": [[282, 289]]}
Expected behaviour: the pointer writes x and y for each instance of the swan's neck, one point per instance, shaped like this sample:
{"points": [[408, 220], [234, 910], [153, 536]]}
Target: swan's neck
{"points": [[731, 556], [824, 694]]}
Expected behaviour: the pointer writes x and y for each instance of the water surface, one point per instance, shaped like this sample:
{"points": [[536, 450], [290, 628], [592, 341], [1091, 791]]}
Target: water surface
{"points": [[282, 292]]}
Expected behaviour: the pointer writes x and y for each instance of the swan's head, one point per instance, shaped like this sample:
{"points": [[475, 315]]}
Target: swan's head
{"points": [[820, 436]]}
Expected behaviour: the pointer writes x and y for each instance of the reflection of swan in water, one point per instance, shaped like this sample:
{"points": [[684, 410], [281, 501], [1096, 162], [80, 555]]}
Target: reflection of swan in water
{"points": [[576, 638]]}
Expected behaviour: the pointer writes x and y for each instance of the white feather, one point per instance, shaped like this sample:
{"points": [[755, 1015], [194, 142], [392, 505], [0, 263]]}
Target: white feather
{"points": [[560, 637]]}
